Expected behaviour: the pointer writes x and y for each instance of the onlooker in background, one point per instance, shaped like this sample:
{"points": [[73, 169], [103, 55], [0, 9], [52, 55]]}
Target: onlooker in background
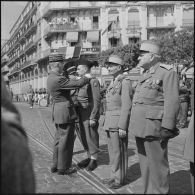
{"points": [[103, 99], [189, 144], [36, 96], [17, 174], [30, 93], [184, 104]]}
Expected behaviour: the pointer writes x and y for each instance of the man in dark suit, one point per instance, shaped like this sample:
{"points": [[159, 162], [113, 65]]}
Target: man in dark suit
{"points": [[89, 112], [63, 114]]}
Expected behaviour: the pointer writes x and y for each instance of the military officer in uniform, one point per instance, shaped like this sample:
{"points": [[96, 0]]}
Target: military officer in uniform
{"points": [[153, 117], [63, 114], [118, 106], [89, 112], [189, 144]]}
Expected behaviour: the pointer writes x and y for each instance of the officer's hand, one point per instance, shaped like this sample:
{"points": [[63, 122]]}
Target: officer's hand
{"points": [[88, 76], [92, 123], [122, 133], [167, 134]]}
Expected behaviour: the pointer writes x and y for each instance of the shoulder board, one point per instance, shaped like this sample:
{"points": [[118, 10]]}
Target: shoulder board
{"points": [[166, 66]]}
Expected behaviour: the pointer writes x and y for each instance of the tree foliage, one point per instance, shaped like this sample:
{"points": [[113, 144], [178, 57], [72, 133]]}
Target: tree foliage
{"points": [[177, 47], [129, 53]]}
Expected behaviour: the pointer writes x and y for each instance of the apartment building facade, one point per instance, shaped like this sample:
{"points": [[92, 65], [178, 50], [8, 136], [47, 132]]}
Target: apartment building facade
{"points": [[49, 27]]}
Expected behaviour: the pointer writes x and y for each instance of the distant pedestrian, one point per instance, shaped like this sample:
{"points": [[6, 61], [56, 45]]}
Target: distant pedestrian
{"points": [[184, 96], [153, 118], [117, 114], [189, 144], [17, 175], [30, 93], [63, 114], [89, 112]]}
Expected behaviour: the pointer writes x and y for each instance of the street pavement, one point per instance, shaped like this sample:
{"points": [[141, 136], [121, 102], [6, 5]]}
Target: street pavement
{"points": [[37, 122]]}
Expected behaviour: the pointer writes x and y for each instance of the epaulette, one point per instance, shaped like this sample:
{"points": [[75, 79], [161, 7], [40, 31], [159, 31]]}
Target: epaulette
{"points": [[166, 66]]}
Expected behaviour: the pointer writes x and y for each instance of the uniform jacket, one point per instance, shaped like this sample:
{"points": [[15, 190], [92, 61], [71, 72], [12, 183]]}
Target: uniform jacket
{"points": [[189, 144], [118, 105], [89, 96], [155, 102], [59, 88]]}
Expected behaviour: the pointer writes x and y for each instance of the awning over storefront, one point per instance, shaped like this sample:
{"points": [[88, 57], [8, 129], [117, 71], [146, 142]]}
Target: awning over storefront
{"points": [[93, 36], [72, 36]]}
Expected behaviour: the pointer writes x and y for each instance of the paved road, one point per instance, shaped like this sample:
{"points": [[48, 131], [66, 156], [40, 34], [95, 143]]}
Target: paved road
{"points": [[37, 122]]}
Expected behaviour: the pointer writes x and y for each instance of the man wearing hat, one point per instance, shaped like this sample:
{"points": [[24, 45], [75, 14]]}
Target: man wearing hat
{"points": [[153, 117], [63, 114], [89, 112], [118, 106]]}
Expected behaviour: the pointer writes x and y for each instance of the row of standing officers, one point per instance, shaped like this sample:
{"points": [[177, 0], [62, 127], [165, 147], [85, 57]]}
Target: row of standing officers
{"points": [[149, 113]]}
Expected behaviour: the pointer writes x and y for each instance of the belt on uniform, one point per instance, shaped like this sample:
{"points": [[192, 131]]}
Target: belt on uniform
{"points": [[149, 103], [113, 108]]}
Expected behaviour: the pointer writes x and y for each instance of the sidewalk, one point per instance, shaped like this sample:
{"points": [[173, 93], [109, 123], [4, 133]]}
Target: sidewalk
{"points": [[180, 178]]}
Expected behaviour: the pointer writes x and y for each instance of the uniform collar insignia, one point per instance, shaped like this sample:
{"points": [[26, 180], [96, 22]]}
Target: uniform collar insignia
{"points": [[152, 70]]}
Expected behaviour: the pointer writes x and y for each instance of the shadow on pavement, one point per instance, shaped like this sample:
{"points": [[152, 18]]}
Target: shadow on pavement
{"points": [[180, 182], [103, 156], [133, 173]]}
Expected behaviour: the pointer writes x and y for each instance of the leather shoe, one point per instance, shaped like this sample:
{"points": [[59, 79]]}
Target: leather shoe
{"points": [[108, 181], [115, 185], [54, 169], [92, 165], [83, 163], [66, 171]]}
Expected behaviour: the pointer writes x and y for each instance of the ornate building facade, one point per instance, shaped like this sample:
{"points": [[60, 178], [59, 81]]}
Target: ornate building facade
{"points": [[48, 27]]}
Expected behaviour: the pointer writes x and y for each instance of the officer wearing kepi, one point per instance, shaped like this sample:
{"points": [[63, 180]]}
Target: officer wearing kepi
{"points": [[118, 105], [63, 114], [153, 117], [89, 100]]}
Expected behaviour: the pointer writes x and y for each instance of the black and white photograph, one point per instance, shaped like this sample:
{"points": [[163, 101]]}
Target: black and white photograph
{"points": [[97, 97]]}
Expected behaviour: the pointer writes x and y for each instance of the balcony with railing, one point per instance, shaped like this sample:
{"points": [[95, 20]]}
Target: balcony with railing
{"points": [[64, 5], [15, 69], [30, 29], [4, 69], [12, 60], [61, 28], [30, 45], [160, 22], [188, 22]]}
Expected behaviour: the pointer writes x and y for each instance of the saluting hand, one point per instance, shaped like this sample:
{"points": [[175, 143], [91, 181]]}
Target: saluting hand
{"points": [[122, 133]]}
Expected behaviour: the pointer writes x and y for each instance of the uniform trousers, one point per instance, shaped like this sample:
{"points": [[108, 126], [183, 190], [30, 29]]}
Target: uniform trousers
{"points": [[117, 149], [89, 135], [183, 113], [154, 165], [63, 146]]}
